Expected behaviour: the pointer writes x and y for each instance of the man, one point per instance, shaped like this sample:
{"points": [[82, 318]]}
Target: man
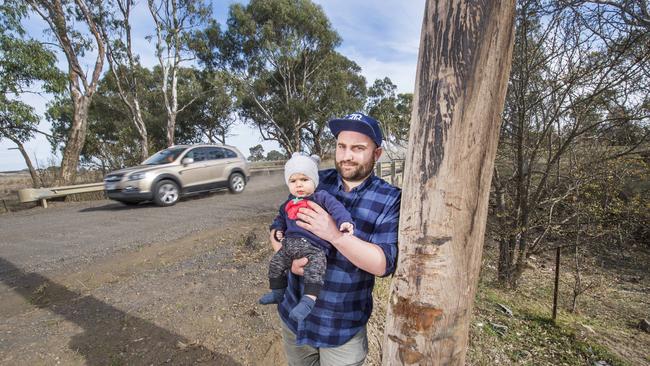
{"points": [[335, 331]]}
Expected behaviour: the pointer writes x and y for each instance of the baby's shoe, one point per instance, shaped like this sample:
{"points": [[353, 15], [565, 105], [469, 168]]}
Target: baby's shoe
{"points": [[273, 297], [304, 307]]}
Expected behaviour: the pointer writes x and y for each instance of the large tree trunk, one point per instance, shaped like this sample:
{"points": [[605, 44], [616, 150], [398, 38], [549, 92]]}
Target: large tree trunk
{"points": [[142, 130], [464, 62], [171, 127], [75, 141]]}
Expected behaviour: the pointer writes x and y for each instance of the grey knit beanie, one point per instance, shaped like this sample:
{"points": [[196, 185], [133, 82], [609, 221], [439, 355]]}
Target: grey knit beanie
{"points": [[303, 164]]}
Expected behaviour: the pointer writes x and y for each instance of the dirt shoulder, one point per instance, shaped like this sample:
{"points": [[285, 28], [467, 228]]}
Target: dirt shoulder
{"points": [[186, 301]]}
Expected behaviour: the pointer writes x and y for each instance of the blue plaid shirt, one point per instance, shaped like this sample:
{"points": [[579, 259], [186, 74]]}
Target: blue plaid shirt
{"points": [[345, 301]]}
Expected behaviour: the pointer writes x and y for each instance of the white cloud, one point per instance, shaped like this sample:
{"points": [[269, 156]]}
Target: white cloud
{"points": [[383, 37], [401, 73]]}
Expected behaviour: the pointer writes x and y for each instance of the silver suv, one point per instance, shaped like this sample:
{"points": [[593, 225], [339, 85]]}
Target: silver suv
{"points": [[177, 171]]}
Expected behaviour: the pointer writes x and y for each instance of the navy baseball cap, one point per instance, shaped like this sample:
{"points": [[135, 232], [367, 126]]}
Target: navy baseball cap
{"points": [[357, 122]]}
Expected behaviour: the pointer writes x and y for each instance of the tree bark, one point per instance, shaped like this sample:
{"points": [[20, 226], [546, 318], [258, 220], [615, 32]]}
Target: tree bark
{"points": [[142, 130], [464, 62], [75, 141]]}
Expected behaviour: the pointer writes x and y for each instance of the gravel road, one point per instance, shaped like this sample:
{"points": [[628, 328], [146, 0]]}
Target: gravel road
{"points": [[99, 283], [67, 233]]}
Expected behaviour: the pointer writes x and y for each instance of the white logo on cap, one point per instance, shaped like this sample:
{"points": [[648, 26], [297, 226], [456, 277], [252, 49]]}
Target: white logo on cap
{"points": [[354, 117]]}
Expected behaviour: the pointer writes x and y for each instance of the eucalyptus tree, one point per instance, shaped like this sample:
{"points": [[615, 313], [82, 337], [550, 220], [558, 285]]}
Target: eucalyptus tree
{"points": [[392, 109], [211, 117], [26, 66], [113, 141], [462, 76], [175, 21], [290, 78], [67, 21], [124, 64]]}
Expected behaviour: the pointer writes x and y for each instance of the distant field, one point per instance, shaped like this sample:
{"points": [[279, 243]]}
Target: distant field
{"points": [[11, 182]]}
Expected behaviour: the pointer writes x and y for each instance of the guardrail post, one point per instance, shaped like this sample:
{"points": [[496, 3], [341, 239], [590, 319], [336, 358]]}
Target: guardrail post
{"points": [[4, 203], [378, 169], [44, 202], [392, 173]]}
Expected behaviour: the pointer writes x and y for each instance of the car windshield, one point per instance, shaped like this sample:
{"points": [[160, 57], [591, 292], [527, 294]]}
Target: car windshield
{"points": [[164, 156]]}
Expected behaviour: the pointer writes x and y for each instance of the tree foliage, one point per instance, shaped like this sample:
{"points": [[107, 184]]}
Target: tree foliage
{"points": [[391, 109], [114, 141], [211, 116], [175, 22], [291, 80], [26, 66], [275, 155], [256, 153]]}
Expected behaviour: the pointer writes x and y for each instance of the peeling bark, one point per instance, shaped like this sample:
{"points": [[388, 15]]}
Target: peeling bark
{"points": [[463, 68]]}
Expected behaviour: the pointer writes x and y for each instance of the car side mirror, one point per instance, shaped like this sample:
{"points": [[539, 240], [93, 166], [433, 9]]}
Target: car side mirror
{"points": [[186, 161]]}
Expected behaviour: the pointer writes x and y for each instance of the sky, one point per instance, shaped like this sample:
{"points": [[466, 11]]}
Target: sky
{"points": [[381, 36]]}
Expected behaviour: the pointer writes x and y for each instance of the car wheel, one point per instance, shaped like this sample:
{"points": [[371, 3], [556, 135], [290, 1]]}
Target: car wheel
{"points": [[236, 183], [166, 193]]}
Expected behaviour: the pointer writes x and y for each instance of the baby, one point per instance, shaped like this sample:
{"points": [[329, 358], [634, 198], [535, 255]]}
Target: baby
{"points": [[301, 175]]}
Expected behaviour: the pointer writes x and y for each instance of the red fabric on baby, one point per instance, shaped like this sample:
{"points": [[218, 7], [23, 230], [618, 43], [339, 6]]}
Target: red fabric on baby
{"points": [[294, 205]]}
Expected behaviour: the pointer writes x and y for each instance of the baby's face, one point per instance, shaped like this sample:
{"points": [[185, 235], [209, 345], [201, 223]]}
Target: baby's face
{"points": [[301, 185]]}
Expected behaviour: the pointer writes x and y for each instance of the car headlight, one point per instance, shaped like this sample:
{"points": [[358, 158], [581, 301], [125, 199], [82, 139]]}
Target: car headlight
{"points": [[137, 176]]}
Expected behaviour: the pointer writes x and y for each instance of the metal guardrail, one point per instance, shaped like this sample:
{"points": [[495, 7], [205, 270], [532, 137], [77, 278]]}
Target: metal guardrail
{"points": [[43, 194]]}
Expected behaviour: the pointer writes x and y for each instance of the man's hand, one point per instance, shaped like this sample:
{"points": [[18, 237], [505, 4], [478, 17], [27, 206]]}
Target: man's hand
{"points": [[316, 220], [298, 266]]}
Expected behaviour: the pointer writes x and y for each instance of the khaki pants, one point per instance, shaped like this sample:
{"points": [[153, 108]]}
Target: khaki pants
{"points": [[352, 353]]}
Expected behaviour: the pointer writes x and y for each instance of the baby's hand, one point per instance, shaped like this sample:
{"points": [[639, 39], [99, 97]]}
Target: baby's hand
{"points": [[279, 235], [347, 228]]}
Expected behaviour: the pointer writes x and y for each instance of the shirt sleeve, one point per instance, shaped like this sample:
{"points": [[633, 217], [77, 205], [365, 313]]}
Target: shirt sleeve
{"points": [[385, 235], [280, 221], [335, 208]]}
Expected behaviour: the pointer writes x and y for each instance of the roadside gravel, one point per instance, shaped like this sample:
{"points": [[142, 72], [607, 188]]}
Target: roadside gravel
{"points": [[66, 233]]}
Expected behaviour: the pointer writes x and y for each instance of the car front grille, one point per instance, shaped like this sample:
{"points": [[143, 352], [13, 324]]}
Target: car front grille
{"points": [[113, 178]]}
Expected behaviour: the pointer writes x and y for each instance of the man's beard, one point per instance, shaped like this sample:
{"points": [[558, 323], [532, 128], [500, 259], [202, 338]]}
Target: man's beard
{"points": [[358, 172]]}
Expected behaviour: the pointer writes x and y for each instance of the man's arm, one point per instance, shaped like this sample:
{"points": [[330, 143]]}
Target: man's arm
{"points": [[365, 255], [335, 208]]}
